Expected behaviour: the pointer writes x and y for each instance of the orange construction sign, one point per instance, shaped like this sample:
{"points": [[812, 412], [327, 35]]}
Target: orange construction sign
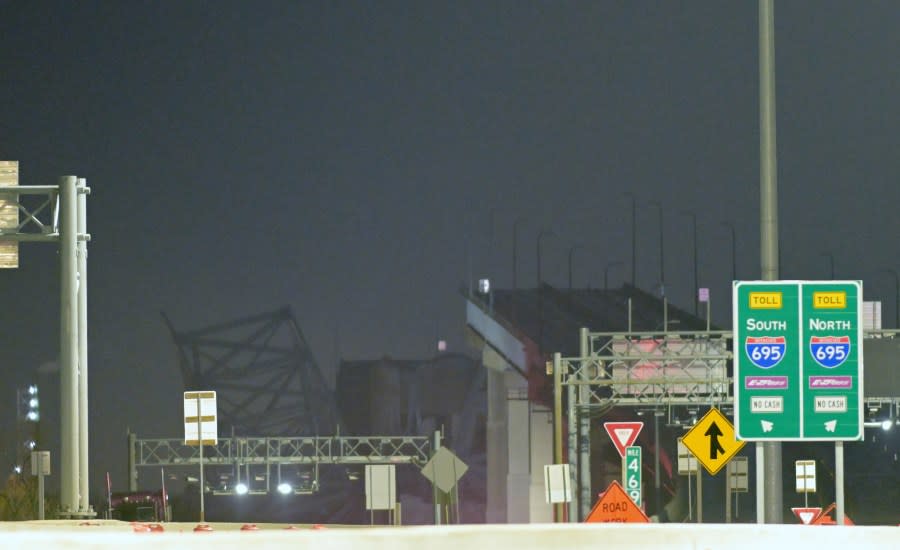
{"points": [[615, 506], [825, 519]]}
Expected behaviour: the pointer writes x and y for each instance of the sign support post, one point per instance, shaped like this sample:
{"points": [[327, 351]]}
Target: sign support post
{"points": [[200, 415], [200, 436]]}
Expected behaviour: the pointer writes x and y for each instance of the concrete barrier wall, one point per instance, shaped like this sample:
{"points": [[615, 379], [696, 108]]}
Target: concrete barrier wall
{"points": [[518, 537]]}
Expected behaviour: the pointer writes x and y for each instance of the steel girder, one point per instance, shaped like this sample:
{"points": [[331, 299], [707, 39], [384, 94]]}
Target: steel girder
{"points": [[264, 374]]}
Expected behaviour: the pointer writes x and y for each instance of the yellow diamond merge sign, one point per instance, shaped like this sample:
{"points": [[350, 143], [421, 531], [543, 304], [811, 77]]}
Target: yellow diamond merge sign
{"points": [[712, 441]]}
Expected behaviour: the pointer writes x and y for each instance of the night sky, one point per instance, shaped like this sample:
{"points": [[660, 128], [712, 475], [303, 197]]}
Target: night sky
{"points": [[360, 160]]}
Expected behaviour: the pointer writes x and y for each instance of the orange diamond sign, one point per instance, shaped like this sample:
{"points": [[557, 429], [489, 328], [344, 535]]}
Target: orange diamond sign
{"points": [[615, 506]]}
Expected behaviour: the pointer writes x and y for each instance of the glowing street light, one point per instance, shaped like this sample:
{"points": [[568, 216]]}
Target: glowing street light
{"points": [[241, 489], [285, 488]]}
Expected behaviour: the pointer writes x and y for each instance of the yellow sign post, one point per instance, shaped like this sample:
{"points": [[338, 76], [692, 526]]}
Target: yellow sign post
{"points": [[712, 441]]}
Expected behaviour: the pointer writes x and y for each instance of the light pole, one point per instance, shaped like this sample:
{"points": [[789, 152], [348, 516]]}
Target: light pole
{"points": [[633, 237], [606, 273], [730, 226], [515, 247], [543, 233], [696, 280], [896, 295], [662, 263], [572, 250], [830, 263]]}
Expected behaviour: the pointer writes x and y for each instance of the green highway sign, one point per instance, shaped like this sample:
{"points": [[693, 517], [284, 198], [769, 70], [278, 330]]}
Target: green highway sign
{"points": [[798, 360]]}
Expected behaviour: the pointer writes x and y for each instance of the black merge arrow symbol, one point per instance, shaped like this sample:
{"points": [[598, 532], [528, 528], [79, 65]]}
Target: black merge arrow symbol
{"points": [[713, 432]]}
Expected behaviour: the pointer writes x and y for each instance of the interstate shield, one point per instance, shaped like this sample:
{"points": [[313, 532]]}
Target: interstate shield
{"points": [[765, 351], [829, 351]]}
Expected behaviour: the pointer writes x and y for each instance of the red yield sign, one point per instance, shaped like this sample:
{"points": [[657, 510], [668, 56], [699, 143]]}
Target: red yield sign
{"points": [[623, 434]]}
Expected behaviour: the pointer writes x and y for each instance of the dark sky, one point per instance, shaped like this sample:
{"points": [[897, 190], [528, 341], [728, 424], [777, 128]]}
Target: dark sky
{"points": [[345, 157]]}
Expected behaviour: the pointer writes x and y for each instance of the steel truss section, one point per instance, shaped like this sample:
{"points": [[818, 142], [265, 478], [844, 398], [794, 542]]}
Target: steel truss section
{"points": [[642, 369], [264, 373], [40, 216], [272, 451], [638, 369]]}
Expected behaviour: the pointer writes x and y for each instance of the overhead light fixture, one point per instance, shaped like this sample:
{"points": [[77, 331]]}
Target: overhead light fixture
{"points": [[887, 425], [241, 489], [285, 488]]}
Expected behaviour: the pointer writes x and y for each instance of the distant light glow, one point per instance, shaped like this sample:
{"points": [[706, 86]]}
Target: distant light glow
{"points": [[285, 488], [887, 425], [32, 390], [241, 488], [17, 469], [33, 402], [33, 416]]}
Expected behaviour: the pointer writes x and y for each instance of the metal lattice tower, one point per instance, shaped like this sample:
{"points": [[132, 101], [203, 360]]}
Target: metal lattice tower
{"points": [[264, 373]]}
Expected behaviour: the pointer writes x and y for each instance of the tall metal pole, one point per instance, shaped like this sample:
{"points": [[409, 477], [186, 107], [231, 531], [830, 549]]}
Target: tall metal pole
{"points": [[84, 503], [585, 494], [68, 346], [633, 238], [202, 483], [662, 247], [558, 513], [769, 503], [839, 482]]}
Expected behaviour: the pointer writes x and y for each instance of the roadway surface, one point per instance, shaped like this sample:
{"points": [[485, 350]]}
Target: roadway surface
{"points": [[113, 534]]}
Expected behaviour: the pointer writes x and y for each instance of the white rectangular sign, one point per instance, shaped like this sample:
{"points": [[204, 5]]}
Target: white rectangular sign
{"points": [[736, 470], [40, 463], [557, 487], [381, 486], [687, 462], [200, 418], [806, 476]]}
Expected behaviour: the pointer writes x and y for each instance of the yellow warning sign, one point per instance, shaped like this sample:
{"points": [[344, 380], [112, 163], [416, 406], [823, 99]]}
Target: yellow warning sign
{"points": [[712, 441]]}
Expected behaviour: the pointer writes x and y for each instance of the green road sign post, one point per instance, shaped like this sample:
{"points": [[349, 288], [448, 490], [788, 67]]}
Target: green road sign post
{"points": [[633, 474], [798, 360]]}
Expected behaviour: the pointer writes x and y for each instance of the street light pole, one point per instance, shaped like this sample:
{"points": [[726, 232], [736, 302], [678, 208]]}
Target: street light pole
{"points": [[693, 217], [633, 237], [730, 226], [768, 454], [662, 263]]}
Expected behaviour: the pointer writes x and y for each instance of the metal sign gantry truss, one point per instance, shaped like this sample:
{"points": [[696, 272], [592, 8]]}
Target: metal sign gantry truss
{"points": [[241, 452], [671, 374], [58, 214]]}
